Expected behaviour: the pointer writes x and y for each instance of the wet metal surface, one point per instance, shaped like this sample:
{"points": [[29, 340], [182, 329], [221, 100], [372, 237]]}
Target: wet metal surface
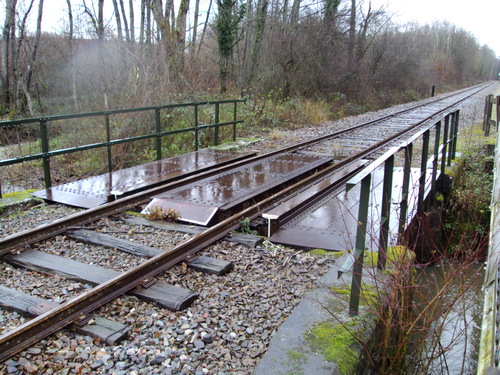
{"points": [[332, 225], [94, 191], [198, 202]]}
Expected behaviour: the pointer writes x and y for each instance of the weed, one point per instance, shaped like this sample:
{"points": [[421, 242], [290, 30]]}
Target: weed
{"points": [[245, 227], [158, 213]]}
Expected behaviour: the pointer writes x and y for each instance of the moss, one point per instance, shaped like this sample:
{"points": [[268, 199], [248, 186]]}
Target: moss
{"points": [[395, 254], [295, 355], [321, 252], [335, 343], [17, 196], [369, 294]]}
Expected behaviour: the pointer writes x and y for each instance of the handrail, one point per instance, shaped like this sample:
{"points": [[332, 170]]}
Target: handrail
{"points": [[156, 133]]}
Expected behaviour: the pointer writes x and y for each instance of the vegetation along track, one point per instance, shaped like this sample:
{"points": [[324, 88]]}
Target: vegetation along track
{"points": [[382, 133]]}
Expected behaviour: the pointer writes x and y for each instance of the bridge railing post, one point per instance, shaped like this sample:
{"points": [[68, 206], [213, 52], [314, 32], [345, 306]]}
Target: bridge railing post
{"points": [[385, 212], [158, 133], [423, 171], [44, 135], [435, 162], [359, 250], [403, 206]]}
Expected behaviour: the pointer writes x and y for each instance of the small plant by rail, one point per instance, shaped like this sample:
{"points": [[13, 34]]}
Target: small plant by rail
{"points": [[160, 214]]}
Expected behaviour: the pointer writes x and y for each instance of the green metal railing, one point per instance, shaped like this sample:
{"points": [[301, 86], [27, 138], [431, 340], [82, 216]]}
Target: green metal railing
{"points": [[156, 134], [444, 151]]}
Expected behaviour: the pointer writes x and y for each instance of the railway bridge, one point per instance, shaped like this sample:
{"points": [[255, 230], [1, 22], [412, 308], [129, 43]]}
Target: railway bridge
{"points": [[354, 191]]}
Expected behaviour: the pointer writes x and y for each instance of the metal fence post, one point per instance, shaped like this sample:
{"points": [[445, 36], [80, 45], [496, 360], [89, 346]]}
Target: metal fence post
{"points": [[216, 135], [385, 212], [403, 207], [234, 119], [364, 202], [451, 138], [445, 143], [158, 133], [196, 130], [435, 161], [45, 151], [108, 146], [423, 171], [456, 118]]}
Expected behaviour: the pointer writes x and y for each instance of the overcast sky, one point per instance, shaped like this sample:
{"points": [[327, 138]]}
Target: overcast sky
{"points": [[479, 17]]}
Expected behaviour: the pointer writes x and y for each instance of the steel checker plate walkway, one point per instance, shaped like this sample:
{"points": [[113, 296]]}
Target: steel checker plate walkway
{"points": [[199, 202], [94, 191], [332, 225]]}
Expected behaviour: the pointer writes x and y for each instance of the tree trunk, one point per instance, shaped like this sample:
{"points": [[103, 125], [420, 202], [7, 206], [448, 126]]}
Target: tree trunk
{"points": [[142, 25], [225, 38], [118, 21], [294, 17], [331, 9], [21, 45], [262, 8], [71, 55], [100, 36], [180, 31], [195, 29], [7, 43], [125, 22], [352, 36], [32, 59], [132, 23], [205, 25]]}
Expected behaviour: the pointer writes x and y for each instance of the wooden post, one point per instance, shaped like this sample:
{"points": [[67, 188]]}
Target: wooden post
{"points": [[487, 115]]}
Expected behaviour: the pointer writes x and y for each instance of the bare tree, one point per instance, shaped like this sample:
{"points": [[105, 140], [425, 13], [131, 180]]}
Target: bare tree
{"points": [[8, 41], [118, 20], [31, 60], [71, 48]]}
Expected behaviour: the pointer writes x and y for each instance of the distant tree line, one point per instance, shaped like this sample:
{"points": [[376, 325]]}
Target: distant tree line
{"points": [[117, 53]]}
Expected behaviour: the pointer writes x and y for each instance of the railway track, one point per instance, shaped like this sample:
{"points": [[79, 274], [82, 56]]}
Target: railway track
{"points": [[345, 145]]}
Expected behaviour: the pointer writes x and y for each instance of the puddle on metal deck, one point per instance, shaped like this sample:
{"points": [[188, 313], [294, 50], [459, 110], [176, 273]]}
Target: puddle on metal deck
{"points": [[94, 191], [198, 202]]}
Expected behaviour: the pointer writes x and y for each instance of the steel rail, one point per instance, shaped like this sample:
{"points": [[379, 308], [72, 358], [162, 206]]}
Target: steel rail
{"points": [[48, 323]]}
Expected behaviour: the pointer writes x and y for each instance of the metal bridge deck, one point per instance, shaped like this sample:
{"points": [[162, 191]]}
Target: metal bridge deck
{"points": [[332, 225], [199, 202], [94, 191]]}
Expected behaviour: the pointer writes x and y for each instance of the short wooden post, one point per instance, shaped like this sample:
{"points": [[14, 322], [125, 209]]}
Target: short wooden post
{"points": [[488, 108]]}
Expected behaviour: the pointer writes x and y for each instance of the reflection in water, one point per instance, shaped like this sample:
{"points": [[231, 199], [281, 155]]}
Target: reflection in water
{"points": [[451, 329]]}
